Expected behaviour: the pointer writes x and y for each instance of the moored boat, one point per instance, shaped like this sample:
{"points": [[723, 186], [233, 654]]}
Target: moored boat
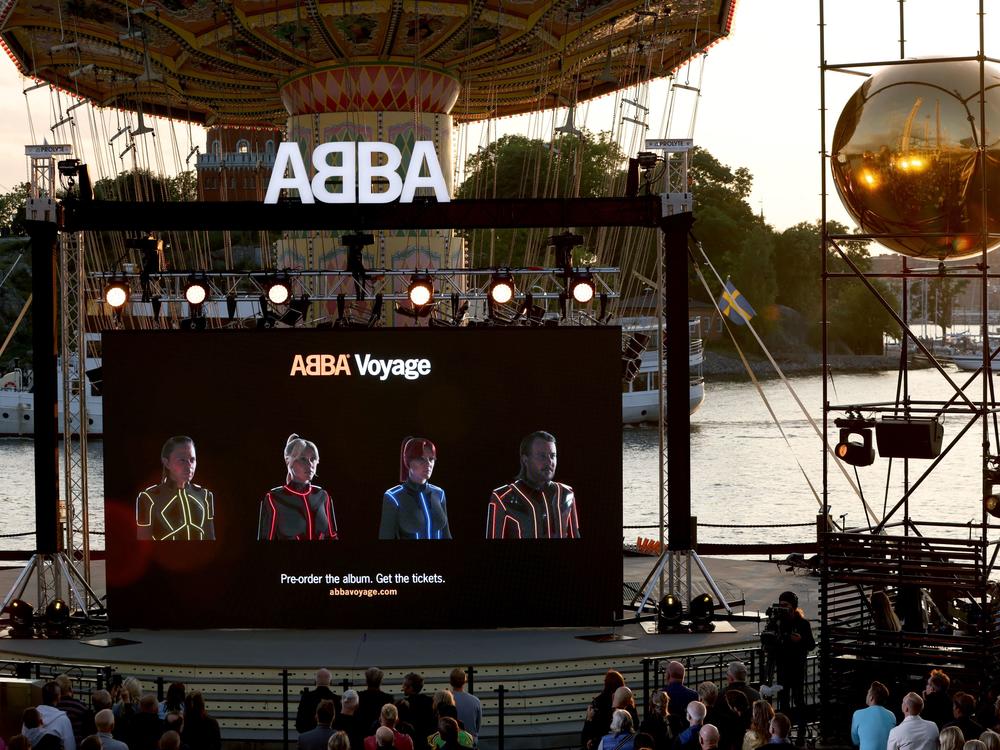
{"points": [[641, 395]]}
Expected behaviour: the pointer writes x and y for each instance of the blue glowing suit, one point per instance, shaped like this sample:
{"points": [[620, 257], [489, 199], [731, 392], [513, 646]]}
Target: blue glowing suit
{"points": [[414, 511]]}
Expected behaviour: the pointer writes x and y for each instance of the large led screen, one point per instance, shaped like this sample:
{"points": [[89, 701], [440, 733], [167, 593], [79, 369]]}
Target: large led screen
{"points": [[363, 478]]}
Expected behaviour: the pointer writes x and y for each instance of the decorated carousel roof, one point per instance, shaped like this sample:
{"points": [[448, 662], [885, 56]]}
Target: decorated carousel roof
{"points": [[238, 61]]}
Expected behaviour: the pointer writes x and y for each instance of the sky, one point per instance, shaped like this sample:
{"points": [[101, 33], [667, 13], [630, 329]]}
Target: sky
{"points": [[759, 104]]}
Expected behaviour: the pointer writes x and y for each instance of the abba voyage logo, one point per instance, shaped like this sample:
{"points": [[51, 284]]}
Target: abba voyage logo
{"points": [[356, 169], [365, 365]]}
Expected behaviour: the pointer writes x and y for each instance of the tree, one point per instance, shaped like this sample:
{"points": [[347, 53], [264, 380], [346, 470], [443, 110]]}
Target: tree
{"points": [[12, 205], [518, 167]]}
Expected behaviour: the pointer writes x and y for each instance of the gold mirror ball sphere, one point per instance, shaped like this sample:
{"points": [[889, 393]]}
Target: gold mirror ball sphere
{"points": [[906, 159]]}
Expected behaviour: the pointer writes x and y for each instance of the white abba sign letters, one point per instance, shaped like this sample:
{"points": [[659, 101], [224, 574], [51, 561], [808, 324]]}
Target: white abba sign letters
{"points": [[356, 171]]}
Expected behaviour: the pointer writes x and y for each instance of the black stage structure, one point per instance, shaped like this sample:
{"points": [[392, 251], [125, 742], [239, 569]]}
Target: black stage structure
{"points": [[77, 213]]}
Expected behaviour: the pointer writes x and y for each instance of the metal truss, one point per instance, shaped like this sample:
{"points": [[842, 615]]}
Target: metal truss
{"points": [[73, 347]]}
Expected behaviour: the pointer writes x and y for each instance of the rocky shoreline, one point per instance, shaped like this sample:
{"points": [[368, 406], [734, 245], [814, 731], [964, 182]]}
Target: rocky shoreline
{"points": [[722, 367]]}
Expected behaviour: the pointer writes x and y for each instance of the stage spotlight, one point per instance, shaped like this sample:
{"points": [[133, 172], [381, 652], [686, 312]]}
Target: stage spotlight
{"points": [[670, 615], [196, 291], [502, 288], [993, 503], [279, 290], [582, 287], [116, 294], [22, 617], [421, 290], [57, 618], [848, 449], [700, 611]]}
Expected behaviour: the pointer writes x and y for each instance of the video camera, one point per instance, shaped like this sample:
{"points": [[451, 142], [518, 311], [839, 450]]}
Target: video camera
{"points": [[775, 633]]}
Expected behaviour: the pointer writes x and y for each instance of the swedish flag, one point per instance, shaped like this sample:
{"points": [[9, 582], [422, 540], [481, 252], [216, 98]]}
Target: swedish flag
{"points": [[734, 305]]}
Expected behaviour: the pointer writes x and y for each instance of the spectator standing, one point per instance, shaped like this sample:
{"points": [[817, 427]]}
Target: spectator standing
{"points": [[689, 739], [870, 726], [389, 718], [736, 679], [174, 700], [913, 732], [305, 716], [318, 737], [53, 718], [104, 720], [201, 731], [349, 722], [372, 698], [620, 735], [384, 739], [759, 732], [80, 717], [655, 722], [36, 734], [599, 712], [680, 696], [470, 709], [421, 706], [963, 710], [146, 727], [937, 698], [991, 739], [951, 738], [708, 737], [781, 727]]}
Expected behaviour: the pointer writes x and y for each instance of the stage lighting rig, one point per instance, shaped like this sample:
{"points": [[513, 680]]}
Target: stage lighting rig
{"points": [[196, 290], [57, 618], [851, 451], [117, 293], [22, 619], [701, 610], [502, 287], [278, 289], [991, 488], [670, 615], [421, 290], [581, 287]]}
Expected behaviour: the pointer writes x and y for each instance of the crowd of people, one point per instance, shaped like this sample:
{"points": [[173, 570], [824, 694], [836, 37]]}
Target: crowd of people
{"points": [[712, 717], [125, 717], [938, 718]]}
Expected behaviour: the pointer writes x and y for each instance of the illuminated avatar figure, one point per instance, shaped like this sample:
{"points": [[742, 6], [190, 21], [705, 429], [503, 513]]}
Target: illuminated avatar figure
{"points": [[176, 509], [298, 509], [533, 506], [415, 508]]}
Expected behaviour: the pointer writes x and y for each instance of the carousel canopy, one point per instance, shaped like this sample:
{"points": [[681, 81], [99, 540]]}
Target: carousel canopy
{"points": [[243, 62]]}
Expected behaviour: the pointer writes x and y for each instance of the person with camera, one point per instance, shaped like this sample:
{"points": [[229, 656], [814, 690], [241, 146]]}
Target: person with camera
{"points": [[791, 642]]}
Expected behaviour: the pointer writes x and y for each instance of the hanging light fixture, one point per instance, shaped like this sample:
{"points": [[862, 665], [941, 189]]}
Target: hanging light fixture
{"points": [[116, 293], [502, 287], [581, 287], [421, 290], [196, 291], [279, 289]]}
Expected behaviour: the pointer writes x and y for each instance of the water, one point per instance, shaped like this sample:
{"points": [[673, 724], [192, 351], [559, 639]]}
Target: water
{"points": [[742, 471]]}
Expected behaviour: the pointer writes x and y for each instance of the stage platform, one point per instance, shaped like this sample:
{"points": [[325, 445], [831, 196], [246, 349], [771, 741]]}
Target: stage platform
{"points": [[548, 675]]}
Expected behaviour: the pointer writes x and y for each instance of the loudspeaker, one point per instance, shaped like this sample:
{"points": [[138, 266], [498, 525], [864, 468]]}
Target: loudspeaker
{"points": [[909, 437]]}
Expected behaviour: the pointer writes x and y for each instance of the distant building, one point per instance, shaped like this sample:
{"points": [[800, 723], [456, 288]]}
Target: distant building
{"points": [[237, 162], [967, 303]]}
